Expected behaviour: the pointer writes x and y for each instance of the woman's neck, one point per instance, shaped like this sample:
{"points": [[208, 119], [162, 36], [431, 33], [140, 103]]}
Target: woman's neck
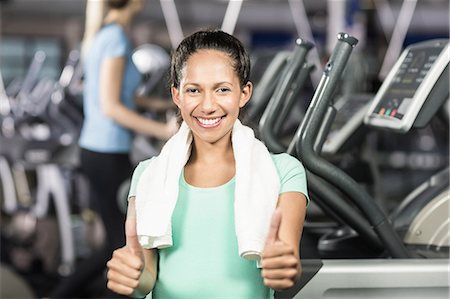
{"points": [[210, 165], [207, 153], [123, 18]]}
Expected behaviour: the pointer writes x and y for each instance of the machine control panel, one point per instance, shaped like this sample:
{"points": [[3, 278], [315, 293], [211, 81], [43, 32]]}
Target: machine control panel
{"points": [[418, 79]]}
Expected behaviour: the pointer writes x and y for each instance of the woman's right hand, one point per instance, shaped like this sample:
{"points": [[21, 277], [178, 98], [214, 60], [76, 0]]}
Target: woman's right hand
{"points": [[124, 271], [127, 263]]}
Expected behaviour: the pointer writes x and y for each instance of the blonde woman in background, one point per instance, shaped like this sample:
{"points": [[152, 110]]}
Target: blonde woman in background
{"points": [[110, 119]]}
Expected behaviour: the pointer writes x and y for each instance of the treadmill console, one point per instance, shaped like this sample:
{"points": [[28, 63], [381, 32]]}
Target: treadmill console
{"points": [[414, 89]]}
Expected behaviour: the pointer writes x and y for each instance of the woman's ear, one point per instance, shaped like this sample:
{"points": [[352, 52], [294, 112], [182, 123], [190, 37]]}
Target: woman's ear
{"points": [[175, 96], [246, 94]]}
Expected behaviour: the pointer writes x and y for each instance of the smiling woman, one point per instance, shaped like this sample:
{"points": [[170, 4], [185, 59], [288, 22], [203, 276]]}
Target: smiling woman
{"points": [[215, 200]]}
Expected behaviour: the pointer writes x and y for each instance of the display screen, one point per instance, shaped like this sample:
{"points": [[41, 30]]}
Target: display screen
{"points": [[399, 95]]}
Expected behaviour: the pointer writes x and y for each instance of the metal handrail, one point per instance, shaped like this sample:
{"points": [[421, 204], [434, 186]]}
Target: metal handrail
{"points": [[288, 78]]}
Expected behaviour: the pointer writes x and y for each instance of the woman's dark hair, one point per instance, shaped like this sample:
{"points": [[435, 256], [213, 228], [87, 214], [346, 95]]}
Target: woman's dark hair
{"points": [[213, 39], [117, 4]]}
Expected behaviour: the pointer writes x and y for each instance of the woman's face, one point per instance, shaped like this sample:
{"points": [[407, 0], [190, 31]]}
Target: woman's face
{"points": [[210, 95]]}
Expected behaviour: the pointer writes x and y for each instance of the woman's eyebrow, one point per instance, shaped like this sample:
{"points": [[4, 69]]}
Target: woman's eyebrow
{"points": [[223, 82], [215, 84], [191, 84]]}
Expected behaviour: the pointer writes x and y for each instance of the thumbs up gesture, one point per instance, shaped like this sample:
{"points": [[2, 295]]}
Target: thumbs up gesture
{"points": [[127, 263], [279, 261]]}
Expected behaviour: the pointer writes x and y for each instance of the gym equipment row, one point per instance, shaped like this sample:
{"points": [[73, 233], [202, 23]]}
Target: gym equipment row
{"points": [[410, 246], [40, 123]]}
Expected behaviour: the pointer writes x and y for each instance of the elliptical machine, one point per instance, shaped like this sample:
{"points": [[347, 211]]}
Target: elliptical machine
{"points": [[411, 255], [39, 127]]}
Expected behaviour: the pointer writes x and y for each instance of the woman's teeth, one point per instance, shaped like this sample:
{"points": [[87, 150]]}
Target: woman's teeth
{"points": [[208, 122]]}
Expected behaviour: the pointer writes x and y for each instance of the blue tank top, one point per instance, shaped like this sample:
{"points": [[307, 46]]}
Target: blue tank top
{"points": [[99, 132]]}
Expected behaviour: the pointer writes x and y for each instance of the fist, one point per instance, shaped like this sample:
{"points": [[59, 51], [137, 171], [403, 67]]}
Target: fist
{"points": [[127, 263], [124, 270], [279, 261]]}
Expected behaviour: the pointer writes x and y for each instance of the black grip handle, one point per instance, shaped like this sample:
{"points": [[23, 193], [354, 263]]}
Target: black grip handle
{"points": [[277, 101]]}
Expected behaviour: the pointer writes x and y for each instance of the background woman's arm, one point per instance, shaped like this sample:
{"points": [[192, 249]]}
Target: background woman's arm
{"points": [[110, 91]]}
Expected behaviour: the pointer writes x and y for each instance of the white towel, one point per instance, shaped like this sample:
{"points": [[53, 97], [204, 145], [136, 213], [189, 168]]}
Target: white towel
{"points": [[256, 191]]}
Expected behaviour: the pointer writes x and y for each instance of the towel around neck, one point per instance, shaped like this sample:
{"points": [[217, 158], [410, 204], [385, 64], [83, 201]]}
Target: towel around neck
{"points": [[256, 191]]}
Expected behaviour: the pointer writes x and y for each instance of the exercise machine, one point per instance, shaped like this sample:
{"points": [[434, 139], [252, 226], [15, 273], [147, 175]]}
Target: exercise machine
{"points": [[39, 133], [410, 248]]}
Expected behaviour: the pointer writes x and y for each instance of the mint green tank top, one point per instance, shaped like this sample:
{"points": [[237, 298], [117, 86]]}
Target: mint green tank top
{"points": [[204, 261]]}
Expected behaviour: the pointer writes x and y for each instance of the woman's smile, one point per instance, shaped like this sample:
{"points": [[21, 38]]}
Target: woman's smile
{"points": [[209, 122]]}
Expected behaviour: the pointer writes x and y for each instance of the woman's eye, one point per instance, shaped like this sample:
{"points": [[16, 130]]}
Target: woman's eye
{"points": [[191, 90], [223, 89]]}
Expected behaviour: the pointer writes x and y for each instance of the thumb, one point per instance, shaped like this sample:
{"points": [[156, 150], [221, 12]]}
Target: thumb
{"points": [[130, 230], [272, 236]]}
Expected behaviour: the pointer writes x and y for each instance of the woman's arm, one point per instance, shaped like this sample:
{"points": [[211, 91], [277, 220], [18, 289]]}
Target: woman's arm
{"points": [[111, 73], [154, 103], [281, 257]]}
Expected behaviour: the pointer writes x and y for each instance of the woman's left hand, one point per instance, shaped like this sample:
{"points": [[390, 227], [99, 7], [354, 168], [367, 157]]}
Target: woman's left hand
{"points": [[280, 263]]}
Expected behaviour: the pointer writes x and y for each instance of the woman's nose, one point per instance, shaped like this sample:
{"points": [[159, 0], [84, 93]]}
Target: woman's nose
{"points": [[208, 103]]}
